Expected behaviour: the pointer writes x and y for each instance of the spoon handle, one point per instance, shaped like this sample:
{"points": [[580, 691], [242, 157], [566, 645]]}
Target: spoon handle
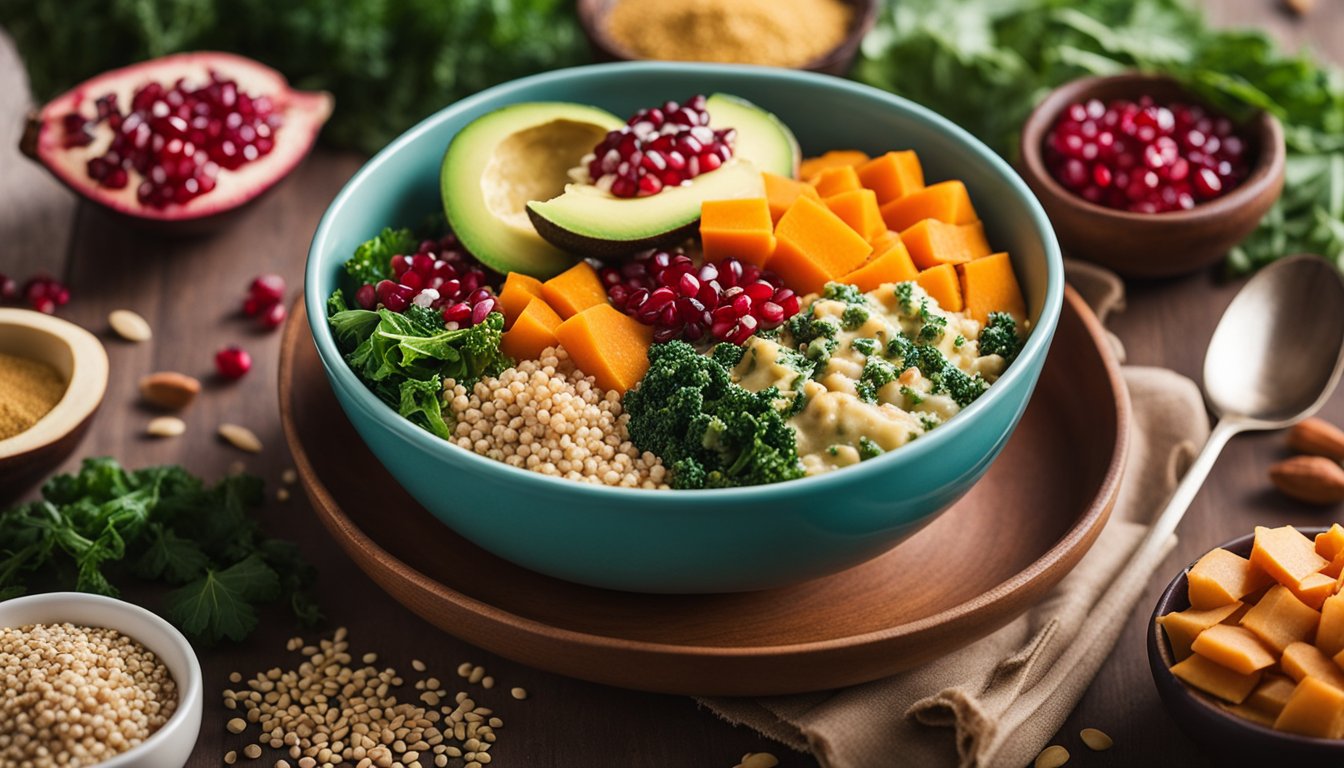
{"points": [[1188, 488]]}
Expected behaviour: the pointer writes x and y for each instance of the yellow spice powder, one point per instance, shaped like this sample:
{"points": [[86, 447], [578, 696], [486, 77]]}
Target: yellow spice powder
{"points": [[782, 33], [28, 391]]}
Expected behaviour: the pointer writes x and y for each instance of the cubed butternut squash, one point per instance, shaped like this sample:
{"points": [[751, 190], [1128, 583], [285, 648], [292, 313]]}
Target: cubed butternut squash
{"points": [[1335, 568], [1315, 709], [517, 293], [833, 181], [608, 345], [891, 265], [1329, 544], [532, 331], [990, 285], [893, 175], [1236, 648], [1221, 577], [1270, 695], [574, 290], [1215, 679], [1314, 589], [835, 158], [780, 193], [1330, 632], [740, 229], [858, 209], [933, 242], [1182, 627], [1285, 554], [1301, 660], [814, 246], [941, 284], [946, 201], [1280, 619]]}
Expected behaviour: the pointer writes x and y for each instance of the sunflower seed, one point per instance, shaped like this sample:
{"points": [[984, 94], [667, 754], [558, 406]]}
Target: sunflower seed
{"points": [[240, 437], [129, 326], [165, 426], [1096, 740], [1052, 757]]}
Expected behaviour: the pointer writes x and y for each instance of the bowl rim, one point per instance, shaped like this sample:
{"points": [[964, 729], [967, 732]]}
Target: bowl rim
{"points": [[193, 690], [1158, 640], [1268, 166], [1031, 357], [83, 392]]}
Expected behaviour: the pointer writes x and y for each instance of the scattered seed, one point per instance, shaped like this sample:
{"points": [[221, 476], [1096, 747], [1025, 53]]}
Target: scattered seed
{"points": [[518, 693], [240, 437], [281, 764], [234, 677], [169, 390], [236, 725], [282, 495], [464, 669], [758, 760], [230, 757], [1096, 740], [1052, 757], [370, 658], [165, 426], [252, 751], [418, 665], [495, 722], [487, 682], [476, 675], [289, 477], [129, 325]]}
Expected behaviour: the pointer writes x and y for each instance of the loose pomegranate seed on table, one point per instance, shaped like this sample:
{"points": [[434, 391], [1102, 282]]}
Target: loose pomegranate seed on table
{"points": [[659, 147], [176, 137], [9, 290], [440, 275], [44, 293], [1145, 157], [727, 301], [233, 362]]}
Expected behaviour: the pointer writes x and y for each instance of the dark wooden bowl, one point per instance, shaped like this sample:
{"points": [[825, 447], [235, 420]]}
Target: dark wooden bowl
{"points": [[593, 14], [1151, 245], [1233, 739]]}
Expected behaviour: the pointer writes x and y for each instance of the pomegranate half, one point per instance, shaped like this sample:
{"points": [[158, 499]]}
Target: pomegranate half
{"points": [[176, 142]]}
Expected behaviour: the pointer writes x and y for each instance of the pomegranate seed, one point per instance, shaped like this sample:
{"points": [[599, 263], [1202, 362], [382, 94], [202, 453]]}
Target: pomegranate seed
{"points": [[45, 293], [650, 152], [457, 313], [267, 288], [481, 311], [366, 297], [273, 317], [233, 362], [9, 290]]}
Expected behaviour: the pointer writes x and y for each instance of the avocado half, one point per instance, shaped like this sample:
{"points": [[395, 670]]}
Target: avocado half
{"points": [[587, 221], [503, 160]]}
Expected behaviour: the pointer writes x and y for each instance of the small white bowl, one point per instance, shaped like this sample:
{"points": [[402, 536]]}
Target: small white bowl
{"points": [[172, 744]]}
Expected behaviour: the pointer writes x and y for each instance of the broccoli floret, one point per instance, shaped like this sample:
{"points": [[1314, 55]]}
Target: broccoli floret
{"points": [[905, 297], [877, 373], [710, 432], [959, 342], [932, 326], [727, 354], [820, 350], [901, 347], [849, 294], [999, 337], [854, 316], [928, 421], [868, 449], [911, 396], [864, 345], [948, 378]]}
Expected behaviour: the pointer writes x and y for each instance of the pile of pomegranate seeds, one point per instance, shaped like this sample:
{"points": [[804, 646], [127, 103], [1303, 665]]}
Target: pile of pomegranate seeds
{"points": [[659, 147], [177, 138], [727, 301], [1144, 157], [233, 362], [441, 275], [265, 300], [41, 292]]}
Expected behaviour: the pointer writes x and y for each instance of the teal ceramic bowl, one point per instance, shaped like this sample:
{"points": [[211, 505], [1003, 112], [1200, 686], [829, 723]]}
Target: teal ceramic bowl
{"points": [[696, 541]]}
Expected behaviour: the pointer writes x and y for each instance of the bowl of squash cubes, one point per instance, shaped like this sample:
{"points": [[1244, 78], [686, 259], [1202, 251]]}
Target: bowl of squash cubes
{"points": [[1246, 646]]}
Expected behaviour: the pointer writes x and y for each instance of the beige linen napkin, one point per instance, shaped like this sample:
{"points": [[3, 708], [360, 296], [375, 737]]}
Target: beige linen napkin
{"points": [[1008, 694]]}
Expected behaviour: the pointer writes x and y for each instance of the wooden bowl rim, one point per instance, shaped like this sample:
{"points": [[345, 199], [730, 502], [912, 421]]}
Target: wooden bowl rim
{"points": [[83, 393], [1267, 171], [1241, 546], [1067, 550], [865, 17]]}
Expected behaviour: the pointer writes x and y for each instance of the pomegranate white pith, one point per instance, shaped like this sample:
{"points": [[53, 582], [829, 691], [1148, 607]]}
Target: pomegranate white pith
{"points": [[302, 115]]}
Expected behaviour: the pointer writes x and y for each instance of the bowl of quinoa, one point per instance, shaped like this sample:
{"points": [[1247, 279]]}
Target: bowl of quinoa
{"points": [[92, 680]]}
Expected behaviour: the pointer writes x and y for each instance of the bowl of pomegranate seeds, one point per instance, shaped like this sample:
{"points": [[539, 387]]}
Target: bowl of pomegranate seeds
{"points": [[1141, 176]]}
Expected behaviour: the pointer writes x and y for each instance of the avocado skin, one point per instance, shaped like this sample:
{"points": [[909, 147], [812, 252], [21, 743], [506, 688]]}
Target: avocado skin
{"points": [[604, 249]]}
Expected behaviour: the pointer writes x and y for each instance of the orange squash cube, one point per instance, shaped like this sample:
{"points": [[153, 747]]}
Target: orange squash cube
{"points": [[1280, 619], [1330, 632], [1215, 679], [740, 229], [946, 201], [532, 332], [836, 158], [893, 175], [517, 293], [858, 209], [1285, 554], [1221, 577], [1236, 648], [990, 285], [1329, 544], [933, 242], [1182, 627], [608, 345], [1314, 589], [1335, 568], [1271, 695], [833, 181], [780, 193], [891, 265], [941, 284], [1301, 660], [1315, 709], [574, 290], [814, 246]]}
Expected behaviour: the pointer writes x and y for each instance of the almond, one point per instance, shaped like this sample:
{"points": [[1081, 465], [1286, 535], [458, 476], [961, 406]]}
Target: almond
{"points": [[129, 325], [1313, 479], [169, 390], [1318, 438], [240, 437], [165, 426]]}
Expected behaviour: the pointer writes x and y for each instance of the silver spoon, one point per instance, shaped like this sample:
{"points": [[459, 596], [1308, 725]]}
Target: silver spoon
{"points": [[1274, 360]]}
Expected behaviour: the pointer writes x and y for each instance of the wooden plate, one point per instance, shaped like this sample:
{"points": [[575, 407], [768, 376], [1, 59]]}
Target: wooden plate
{"points": [[1011, 539]]}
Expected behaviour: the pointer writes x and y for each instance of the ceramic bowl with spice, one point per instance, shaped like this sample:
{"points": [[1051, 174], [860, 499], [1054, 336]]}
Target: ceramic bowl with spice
{"points": [[816, 35], [1141, 176], [113, 685], [52, 378]]}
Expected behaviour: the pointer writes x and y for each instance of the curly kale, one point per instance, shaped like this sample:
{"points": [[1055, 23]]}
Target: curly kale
{"points": [[999, 337], [710, 432], [372, 261]]}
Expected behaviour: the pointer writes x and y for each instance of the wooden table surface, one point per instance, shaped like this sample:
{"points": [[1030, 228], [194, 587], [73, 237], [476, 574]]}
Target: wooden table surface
{"points": [[190, 290]]}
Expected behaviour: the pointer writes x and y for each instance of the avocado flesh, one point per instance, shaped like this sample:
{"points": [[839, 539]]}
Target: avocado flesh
{"points": [[503, 160], [761, 137]]}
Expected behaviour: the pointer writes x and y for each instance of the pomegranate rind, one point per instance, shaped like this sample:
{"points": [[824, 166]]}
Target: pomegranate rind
{"points": [[304, 114]]}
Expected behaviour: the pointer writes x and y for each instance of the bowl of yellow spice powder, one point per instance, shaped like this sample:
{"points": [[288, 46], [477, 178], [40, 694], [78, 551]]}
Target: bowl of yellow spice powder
{"points": [[52, 378], [817, 35]]}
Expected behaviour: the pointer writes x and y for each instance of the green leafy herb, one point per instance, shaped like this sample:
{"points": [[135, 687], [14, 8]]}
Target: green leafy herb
{"points": [[869, 449], [373, 259]]}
